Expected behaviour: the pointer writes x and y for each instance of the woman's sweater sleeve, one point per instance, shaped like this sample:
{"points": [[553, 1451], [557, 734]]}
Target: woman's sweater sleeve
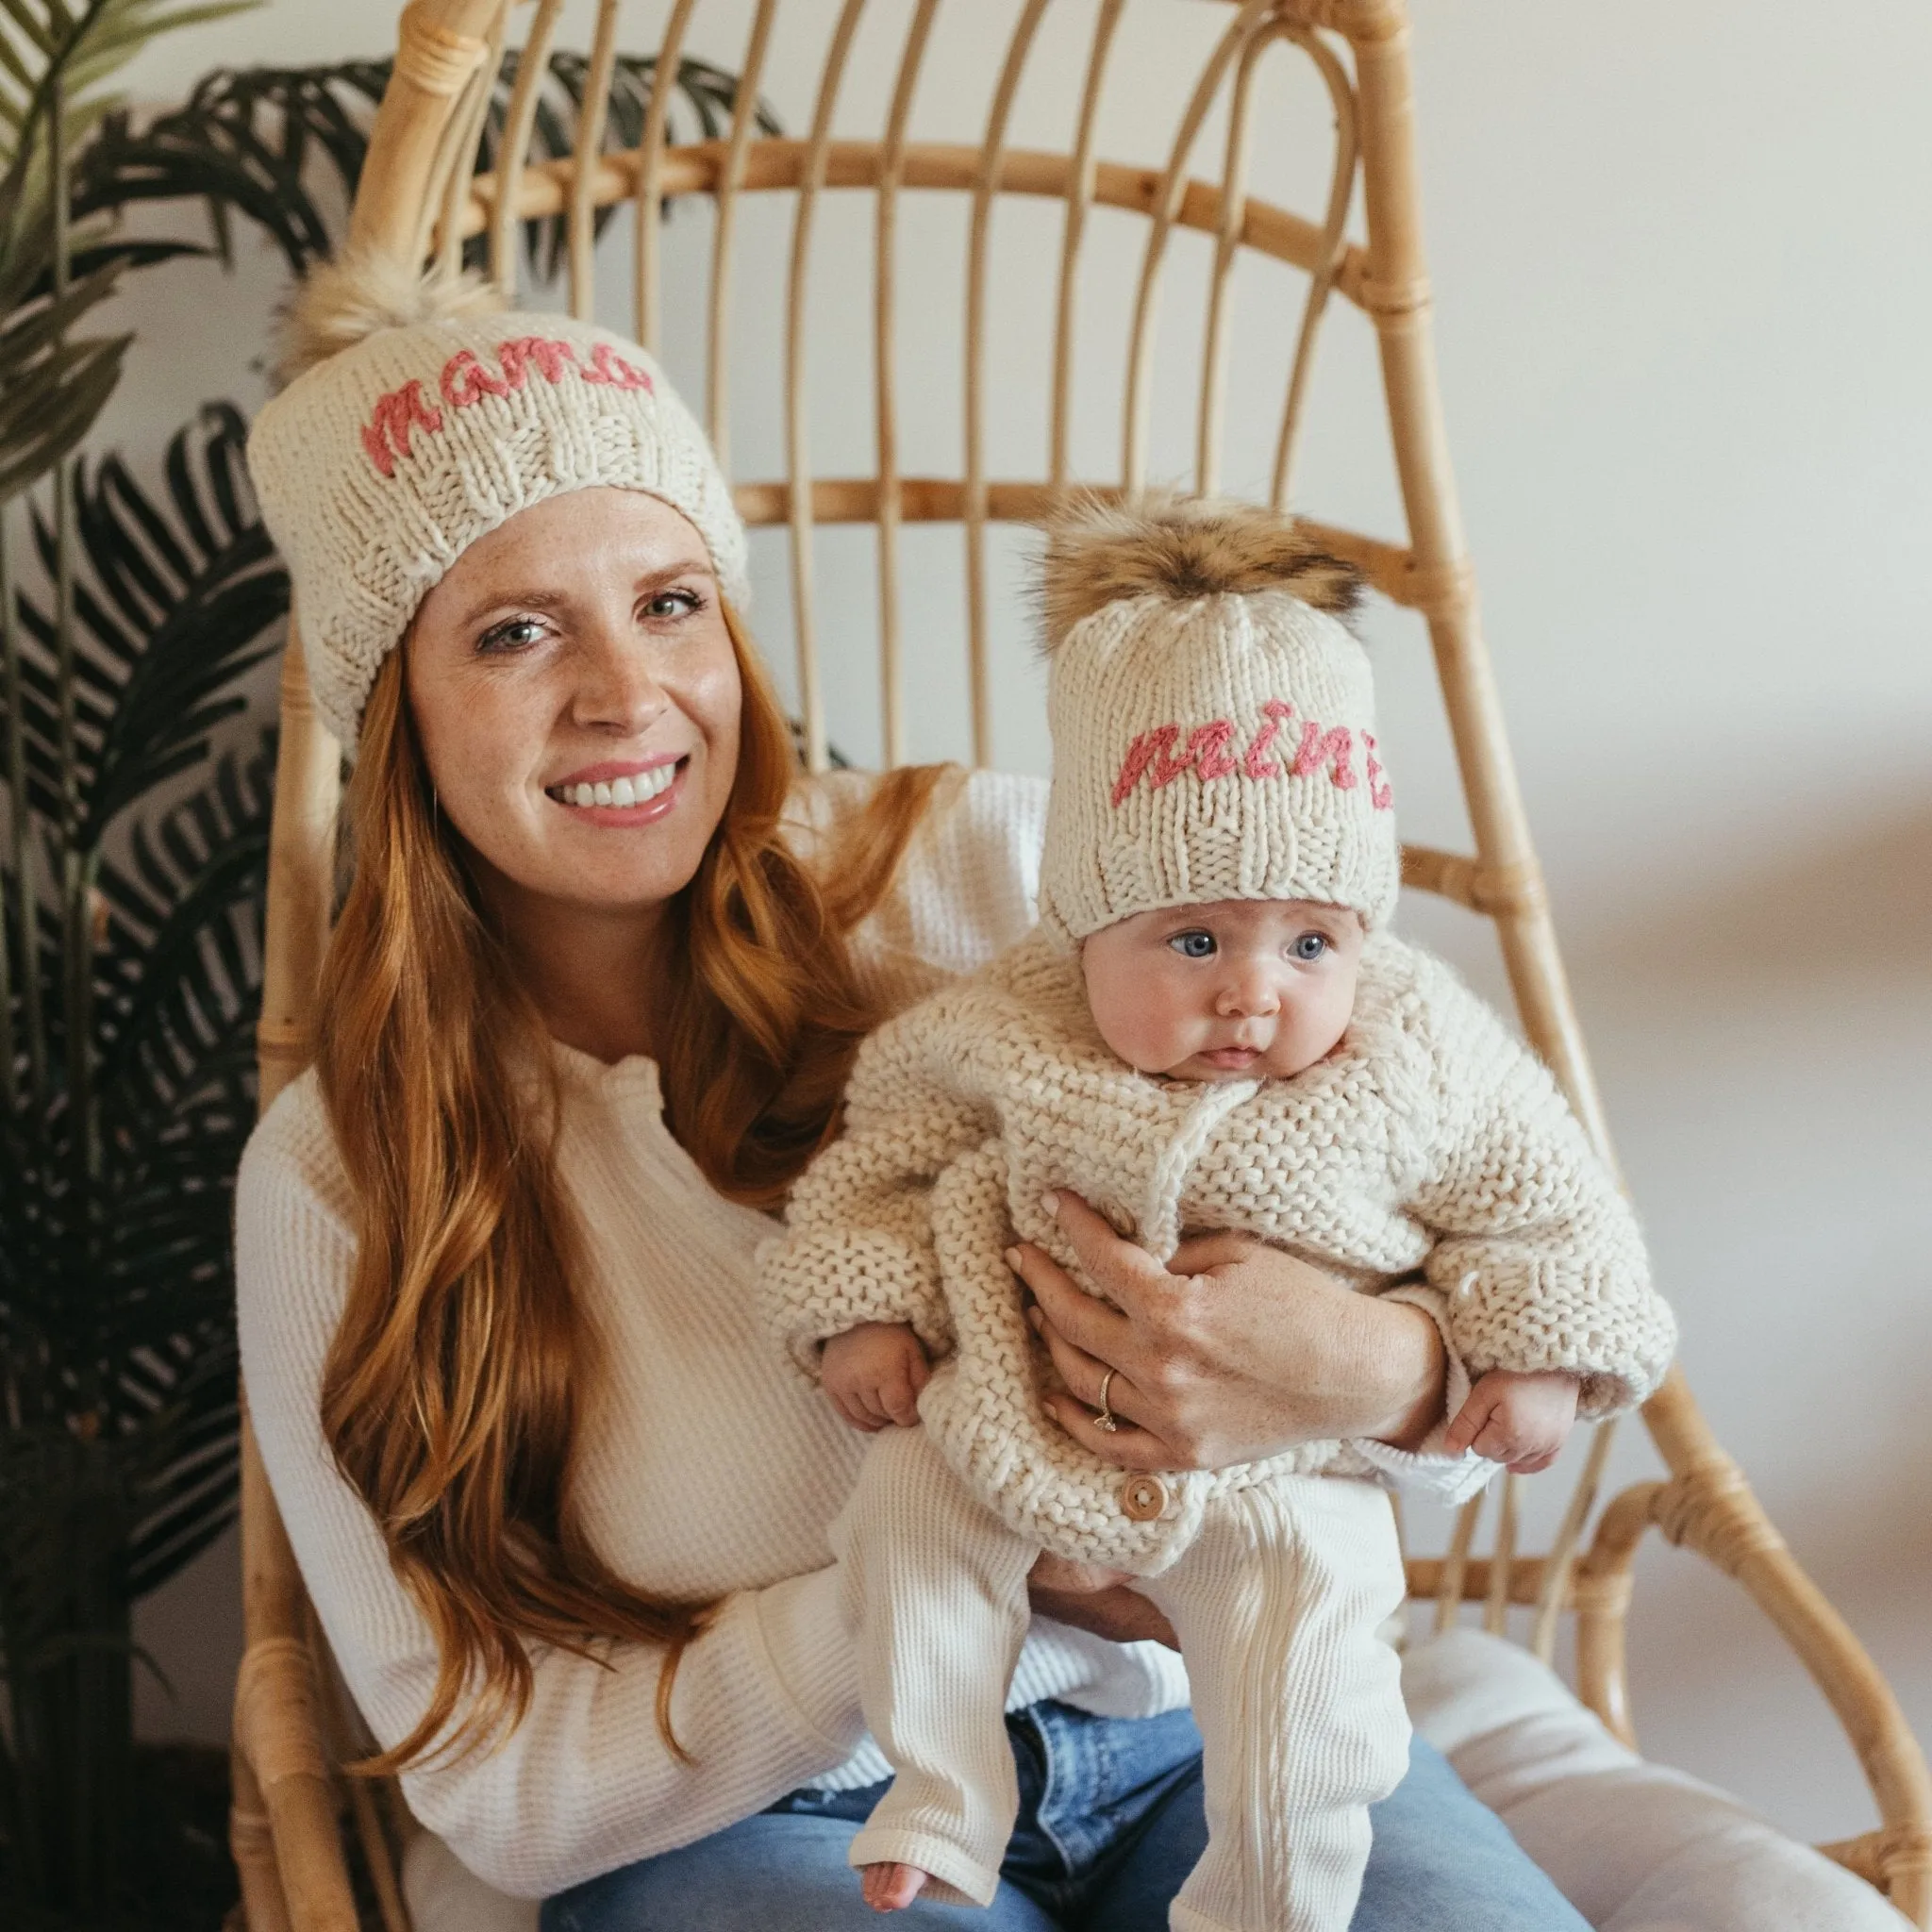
{"points": [[1538, 1252], [857, 1244], [766, 1697]]}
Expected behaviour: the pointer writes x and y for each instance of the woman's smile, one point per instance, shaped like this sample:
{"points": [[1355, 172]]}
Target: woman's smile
{"points": [[620, 792]]}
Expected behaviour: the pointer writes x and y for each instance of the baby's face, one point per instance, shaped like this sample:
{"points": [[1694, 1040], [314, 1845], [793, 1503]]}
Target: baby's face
{"points": [[1242, 988]]}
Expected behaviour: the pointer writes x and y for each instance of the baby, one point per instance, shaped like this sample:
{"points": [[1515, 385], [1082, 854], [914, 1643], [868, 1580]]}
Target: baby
{"points": [[1211, 1028]]}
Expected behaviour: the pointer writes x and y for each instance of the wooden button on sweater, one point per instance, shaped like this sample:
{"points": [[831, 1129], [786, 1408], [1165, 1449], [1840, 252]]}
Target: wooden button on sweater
{"points": [[1143, 1497]]}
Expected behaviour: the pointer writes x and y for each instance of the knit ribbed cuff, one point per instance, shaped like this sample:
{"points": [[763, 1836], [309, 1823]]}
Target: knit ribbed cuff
{"points": [[812, 1655]]}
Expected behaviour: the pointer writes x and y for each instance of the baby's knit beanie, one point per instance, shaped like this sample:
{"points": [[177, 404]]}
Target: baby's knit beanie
{"points": [[418, 416], [1213, 719]]}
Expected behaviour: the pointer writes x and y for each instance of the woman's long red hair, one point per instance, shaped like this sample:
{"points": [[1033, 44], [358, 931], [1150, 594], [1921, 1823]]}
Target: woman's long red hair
{"points": [[452, 1392]]}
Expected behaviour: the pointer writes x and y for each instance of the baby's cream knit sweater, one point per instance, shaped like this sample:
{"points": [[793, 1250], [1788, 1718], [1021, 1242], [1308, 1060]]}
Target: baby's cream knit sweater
{"points": [[1430, 1143]]}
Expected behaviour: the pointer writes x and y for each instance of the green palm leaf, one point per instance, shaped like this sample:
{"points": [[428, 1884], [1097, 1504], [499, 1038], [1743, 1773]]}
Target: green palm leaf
{"points": [[116, 1310], [84, 44], [54, 385], [180, 967], [178, 601], [112, 1295]]}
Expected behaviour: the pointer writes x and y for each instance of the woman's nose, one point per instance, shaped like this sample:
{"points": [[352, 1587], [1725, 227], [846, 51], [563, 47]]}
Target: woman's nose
{"points": [[618, 688]]}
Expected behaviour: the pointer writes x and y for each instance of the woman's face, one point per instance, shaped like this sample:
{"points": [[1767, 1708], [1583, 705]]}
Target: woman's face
{"points": [[576, 697]]}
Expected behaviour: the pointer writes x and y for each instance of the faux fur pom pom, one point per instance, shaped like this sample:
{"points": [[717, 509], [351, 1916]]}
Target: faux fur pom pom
{"points": [[343, 301], [1160, 544]]}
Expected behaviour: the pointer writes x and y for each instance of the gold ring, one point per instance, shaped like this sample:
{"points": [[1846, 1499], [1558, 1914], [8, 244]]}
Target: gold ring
{"points": [[1105, 1421]]}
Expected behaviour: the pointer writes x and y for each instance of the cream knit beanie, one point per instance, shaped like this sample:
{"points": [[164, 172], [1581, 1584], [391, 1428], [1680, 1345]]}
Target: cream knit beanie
{"points": [[418, 416], [1213, 719]]}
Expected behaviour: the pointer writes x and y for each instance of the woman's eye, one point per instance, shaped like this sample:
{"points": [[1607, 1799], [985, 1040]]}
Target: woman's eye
{"points": [[673, 604], [1193, 945], [514, 634], [1311, 946]]}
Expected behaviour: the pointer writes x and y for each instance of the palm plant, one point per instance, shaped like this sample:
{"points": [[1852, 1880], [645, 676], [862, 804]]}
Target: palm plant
{"points": [[135, 961], [113, 1421]]}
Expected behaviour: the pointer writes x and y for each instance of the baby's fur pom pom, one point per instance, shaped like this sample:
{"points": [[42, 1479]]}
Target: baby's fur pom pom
{"points": [[1160, 544], [360, 292]]}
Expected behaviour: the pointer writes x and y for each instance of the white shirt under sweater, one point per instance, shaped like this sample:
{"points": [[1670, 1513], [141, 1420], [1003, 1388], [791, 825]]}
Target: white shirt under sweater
{"points": [[707, 1468]]}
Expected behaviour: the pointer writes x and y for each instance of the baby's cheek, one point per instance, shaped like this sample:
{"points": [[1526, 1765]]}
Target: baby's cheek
{"points": [[1139, 1029]]}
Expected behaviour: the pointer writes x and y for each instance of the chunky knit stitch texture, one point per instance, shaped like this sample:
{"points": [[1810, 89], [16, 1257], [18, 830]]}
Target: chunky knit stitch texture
{"points": [[381, 463], [1213, 719], [1431, 1141]]}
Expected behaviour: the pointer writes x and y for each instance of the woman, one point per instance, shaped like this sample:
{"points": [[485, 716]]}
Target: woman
{"points": [[588, 1008]]}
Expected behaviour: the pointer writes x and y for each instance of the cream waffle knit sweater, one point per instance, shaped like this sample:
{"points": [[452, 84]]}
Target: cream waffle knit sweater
{"points": [[1430, 1141], [708, 1467]]}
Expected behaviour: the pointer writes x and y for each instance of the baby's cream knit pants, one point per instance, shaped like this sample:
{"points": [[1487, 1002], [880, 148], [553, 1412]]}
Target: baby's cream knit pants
{"points": [[1278, 1605]]}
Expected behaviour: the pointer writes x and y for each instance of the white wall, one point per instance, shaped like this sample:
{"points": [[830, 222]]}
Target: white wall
{"points": [[1681, 258]]}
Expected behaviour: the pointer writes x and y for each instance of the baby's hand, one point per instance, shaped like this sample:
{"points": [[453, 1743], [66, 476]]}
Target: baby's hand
{"points": [[1519, 1419], [873, 1375]]}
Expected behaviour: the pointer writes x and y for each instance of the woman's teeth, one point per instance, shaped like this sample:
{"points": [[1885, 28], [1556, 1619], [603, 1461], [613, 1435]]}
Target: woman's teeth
{"points": [[638, 789]]}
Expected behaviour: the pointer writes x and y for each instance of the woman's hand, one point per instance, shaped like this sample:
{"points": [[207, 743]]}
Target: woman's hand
{"points": [[1097, 1599], [1233, 1352]]}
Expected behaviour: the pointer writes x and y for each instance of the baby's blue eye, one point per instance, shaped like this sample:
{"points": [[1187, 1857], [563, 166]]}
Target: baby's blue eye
{"points": [[1310, 947], [1193, 945]]}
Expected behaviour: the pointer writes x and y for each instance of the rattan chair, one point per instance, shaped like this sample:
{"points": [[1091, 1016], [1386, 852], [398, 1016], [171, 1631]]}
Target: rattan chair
{"points": [[419, 202]]}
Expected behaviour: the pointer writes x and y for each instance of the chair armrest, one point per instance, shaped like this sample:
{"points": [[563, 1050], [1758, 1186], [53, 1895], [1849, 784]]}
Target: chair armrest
{"points": [[297, 1875], [1709, 1507]]}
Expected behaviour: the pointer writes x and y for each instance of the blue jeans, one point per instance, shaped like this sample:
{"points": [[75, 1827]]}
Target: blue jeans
{"points": [[1110, 1823]]}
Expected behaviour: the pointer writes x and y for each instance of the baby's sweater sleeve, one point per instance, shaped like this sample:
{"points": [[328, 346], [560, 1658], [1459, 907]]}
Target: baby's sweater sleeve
{"points": [[857, 1244], [1538, 1251], [766, 1697]]}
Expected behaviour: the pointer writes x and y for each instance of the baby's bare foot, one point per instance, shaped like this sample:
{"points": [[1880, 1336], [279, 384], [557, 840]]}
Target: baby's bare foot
{"points": [[890, 1888]]}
